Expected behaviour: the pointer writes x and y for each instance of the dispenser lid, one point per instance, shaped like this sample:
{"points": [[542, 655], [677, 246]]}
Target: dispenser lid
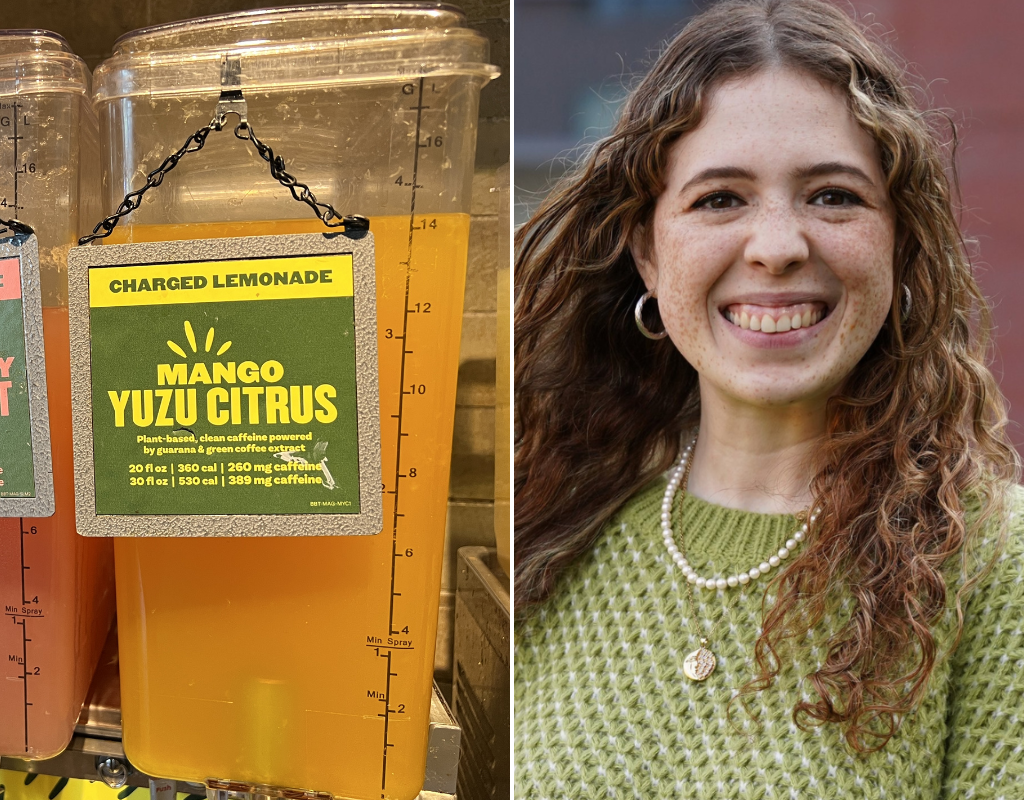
{"points": [[296, 46], [34, 61], [290, 23]]}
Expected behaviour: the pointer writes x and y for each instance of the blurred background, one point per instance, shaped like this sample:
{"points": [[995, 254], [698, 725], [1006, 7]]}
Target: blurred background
{"points": [[575, 59]]}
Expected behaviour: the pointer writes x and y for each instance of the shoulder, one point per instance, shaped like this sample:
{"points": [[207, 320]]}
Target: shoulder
{"points": [[1002, 545], [986, 730], [997, 599], [619, 557], [1013, 551]]}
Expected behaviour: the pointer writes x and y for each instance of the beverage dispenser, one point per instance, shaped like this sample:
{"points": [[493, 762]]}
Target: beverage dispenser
{"points": [[304, 662], [57, 587]]}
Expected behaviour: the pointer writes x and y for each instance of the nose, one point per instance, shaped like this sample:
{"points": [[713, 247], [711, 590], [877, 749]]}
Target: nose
{"points": [[777, 241]]}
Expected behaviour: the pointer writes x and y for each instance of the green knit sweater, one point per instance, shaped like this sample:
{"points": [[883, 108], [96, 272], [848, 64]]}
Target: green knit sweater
{"points": [[602, 708]]}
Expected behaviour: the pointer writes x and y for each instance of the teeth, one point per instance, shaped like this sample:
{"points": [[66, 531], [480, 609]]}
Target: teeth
{"points": [[767, 323]]}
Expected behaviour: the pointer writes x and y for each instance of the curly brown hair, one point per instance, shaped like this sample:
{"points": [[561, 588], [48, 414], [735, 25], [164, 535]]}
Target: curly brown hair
{"points": [[915, 461]]}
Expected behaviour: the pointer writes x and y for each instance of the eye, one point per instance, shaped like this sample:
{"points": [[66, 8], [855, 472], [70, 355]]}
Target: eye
{"points": [[836, 197], [719, 201]]}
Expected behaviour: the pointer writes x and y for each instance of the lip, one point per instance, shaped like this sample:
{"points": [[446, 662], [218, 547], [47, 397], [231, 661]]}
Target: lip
{"points": [[776, 299]]}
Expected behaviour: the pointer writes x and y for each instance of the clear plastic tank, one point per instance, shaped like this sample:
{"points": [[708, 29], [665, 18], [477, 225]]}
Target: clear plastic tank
{"points": [[57, 588], [305, 663]]}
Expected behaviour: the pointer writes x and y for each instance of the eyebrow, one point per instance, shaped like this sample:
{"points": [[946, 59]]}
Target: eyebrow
{"points": [[831, 168], [713, 173], [812, 171]]}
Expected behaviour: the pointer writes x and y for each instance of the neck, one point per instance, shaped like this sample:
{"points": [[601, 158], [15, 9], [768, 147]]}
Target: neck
{"points": [[756, 458]]}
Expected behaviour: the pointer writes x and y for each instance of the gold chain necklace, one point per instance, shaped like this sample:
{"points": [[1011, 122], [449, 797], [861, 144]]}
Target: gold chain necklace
{"points": [[699, 664]]}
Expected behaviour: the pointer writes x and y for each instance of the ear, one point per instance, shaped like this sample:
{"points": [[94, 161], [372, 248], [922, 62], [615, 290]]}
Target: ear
{"points": [[641, 249]]}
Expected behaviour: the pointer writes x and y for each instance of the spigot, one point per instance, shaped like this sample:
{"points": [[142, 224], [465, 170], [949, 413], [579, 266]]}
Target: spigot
{"points": [[113, 771]]}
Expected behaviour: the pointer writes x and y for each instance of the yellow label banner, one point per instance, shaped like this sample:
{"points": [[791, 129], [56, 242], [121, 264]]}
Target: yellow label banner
{"points": [[222, 281]]}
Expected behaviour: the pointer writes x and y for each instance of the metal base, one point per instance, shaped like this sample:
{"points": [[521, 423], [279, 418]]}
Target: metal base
{"points": [[95, 752]]}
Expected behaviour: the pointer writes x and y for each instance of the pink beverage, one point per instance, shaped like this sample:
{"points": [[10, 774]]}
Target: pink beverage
{"points": [[56, 587]]}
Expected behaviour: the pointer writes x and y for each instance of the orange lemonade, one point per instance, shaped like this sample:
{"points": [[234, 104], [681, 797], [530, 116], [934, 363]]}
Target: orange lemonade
{"points": [[57, 591], [307, 662]]}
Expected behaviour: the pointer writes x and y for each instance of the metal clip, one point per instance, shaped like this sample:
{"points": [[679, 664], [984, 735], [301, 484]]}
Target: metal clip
{"points": [[16, 226], [231, 99]]}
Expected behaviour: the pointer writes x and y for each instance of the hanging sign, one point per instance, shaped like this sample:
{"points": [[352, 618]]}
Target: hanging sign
{"points": [[226, 387], [26, 471]]}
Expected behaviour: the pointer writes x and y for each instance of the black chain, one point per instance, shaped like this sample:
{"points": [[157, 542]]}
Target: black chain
{"points": [[300, 191], [17, 226]]}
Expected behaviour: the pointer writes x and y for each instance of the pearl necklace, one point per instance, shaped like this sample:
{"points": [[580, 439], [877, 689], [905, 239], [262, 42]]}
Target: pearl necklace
{"points": [[740, 578]]}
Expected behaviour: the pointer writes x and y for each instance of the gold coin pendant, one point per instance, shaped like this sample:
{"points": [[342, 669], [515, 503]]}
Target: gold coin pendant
{"points": [[699, 664]]}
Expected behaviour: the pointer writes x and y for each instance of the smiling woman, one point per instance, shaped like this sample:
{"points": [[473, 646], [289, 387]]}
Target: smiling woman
{"points": [[775, 552], [776, 208]]}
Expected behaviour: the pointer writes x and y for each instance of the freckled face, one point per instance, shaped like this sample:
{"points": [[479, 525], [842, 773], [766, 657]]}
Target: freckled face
{"points": [[771, 247]]}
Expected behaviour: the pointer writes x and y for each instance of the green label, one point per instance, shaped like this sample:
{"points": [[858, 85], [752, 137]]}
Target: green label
{"points": [[225, 387], [17, 476]]}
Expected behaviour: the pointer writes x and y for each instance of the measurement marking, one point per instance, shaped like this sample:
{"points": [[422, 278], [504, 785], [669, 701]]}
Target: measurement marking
{"points": [[387, 722], [16, 171], [21, 525], [24, 671], [388, 647], [419, 108], [25, 616]]}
